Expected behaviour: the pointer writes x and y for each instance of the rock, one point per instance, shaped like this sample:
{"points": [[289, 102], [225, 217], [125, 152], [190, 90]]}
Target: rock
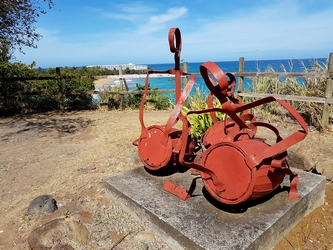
{"points": [[46, 235], [50, 206], [115, 237], [325, 168], [79, 231], [56, 234], [43, 204], [299, 159]]}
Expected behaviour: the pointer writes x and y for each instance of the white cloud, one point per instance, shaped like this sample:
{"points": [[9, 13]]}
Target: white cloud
{"points": [[133, 12], [172, 14], [158, 22]]}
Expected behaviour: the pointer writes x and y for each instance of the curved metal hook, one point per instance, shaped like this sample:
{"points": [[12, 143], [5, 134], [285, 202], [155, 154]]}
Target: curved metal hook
{"points": [[218, 89], [175, 36]]}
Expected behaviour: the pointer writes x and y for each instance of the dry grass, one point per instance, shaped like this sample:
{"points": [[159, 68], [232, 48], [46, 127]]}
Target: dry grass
{"points": [[311, 112]]}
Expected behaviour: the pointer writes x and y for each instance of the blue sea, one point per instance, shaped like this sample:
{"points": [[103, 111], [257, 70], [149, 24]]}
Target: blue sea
{"points": [[228, 66]]}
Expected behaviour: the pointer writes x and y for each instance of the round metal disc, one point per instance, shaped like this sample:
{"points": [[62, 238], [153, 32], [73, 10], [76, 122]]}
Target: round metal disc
{"points": [[152, 153], [226, 160]]}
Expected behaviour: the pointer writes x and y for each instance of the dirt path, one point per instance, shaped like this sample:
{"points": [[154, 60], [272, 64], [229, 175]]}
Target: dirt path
{"points": [[69, 155]]}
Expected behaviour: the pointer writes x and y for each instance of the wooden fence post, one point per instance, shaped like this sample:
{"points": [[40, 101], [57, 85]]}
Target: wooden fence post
{"points": [[122, 102], [328, 93], [240, 78], [4, 93], [61, 91], [185, 71]]}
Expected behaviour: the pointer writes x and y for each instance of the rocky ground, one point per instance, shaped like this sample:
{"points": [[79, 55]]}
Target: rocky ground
{"points": [[68, 156]]}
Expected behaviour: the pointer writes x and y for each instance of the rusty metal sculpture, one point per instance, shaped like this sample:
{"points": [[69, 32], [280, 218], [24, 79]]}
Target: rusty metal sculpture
{"points": [[159, 146], [235, 165]]}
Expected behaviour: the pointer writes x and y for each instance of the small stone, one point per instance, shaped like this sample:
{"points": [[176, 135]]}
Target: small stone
{"points": [[43, 204], [44, 236], [298, 159], [115, 237], [325, 168], [79, 231]]}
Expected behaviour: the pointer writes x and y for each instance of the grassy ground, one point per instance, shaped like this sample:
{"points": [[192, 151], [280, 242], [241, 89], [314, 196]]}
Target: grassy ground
{"points": [[68, 155]]}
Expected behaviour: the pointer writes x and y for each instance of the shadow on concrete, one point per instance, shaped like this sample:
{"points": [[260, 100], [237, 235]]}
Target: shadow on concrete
{"points": [[167, 171], [242, 207]]}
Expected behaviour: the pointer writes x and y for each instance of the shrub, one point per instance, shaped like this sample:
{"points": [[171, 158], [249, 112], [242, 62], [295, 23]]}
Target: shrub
{"points": [[40, 95], [200, 123], [112, 100], [155, 100]]}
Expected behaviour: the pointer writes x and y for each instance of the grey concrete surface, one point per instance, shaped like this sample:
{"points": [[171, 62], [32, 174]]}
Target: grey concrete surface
{"points": [[202, 223]]}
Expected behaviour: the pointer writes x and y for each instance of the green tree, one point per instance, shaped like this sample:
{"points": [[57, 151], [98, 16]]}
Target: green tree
{"points": [[5, 50], [17, 18]]}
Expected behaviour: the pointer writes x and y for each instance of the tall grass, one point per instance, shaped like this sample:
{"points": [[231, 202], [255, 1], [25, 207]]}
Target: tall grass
{"points": [[311, 112]]}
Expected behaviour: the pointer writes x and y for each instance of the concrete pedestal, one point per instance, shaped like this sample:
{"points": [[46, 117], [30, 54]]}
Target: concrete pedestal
{"points": [[203, 223]]}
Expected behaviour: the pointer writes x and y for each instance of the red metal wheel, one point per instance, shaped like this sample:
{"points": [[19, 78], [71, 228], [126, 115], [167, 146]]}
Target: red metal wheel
{"points": [[226, 160], [242, 182], [152, 153]]}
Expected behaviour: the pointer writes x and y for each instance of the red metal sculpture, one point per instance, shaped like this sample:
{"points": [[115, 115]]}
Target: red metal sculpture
{"points": [[235, 165], [159, 146]]}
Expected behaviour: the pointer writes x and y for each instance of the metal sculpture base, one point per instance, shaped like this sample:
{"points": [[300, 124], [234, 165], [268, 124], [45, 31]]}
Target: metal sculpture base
{"points": [[202, 223]]}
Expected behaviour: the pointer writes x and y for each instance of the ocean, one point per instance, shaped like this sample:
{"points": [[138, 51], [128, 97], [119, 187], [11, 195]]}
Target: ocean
{"points": [[229, 66]]}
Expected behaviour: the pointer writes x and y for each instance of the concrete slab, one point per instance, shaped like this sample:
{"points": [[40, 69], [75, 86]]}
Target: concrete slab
{"points": [[202, 223]]}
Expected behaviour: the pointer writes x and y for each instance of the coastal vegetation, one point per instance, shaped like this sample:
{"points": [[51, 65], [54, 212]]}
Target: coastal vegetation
{"points": [[24, 88], [310, 87]]}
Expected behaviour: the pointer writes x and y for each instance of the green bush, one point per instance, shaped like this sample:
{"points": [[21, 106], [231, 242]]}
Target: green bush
{"points": [[112, 100], [200, 123], [10, 103], [79, 100], [155, 100], [40, 95]]}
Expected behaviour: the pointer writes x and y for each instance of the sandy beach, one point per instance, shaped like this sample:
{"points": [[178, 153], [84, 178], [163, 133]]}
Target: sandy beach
{"points": [[102, 82]]}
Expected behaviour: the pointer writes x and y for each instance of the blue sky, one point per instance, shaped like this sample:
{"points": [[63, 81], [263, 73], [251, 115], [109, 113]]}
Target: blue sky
{"points": [[85, 32]]}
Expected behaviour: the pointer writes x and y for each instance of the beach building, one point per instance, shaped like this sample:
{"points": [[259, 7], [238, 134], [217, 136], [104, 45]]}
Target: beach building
{"points": [[122, 66]]}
